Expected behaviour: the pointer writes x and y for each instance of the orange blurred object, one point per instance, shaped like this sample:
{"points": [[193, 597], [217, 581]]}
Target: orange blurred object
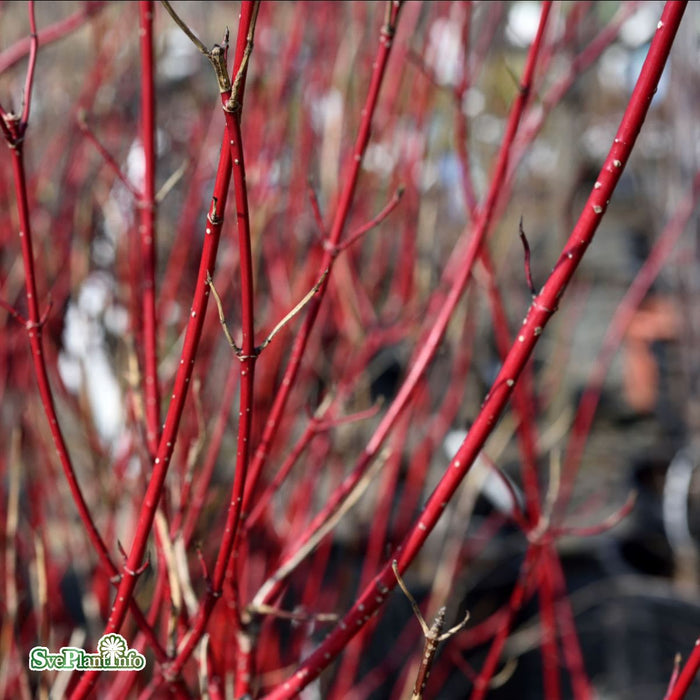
{"points": [[656, 320]]}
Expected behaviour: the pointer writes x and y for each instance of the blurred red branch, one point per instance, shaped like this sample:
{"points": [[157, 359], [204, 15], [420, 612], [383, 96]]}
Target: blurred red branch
{"points": [[15, 53], [147, 226]]}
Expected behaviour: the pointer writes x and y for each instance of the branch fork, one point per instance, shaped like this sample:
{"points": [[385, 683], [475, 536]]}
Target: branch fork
{"points": [[259, 348], [433, 635], [134, 573]]}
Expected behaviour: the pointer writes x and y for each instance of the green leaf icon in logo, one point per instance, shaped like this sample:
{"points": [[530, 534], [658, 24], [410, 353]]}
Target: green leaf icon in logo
{"points": [[110, 647]]}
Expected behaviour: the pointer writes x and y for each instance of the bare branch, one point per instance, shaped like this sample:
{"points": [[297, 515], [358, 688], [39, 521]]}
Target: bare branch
{"points": [[433, 635], [295, 616], [217, 55], [13, 312], [607, 524], [411, 599], [185, 28], [168, 185], [234, 102], [293, 312], [222, 317], [310, 545], [106, 155]]}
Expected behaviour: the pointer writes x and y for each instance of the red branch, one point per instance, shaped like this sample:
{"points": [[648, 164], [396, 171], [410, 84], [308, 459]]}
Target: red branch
{"points": [[14, 128], [15, 53], [540, 312], [147, 227], [339, 221], [166, 444]]}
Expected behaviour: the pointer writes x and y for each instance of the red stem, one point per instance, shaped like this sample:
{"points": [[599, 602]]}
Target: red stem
{"points": [[232, 105], [571, 648], [297, 353], [522, 400], [517, 598], [34, 325], [352, 238], [428, 347], [376, 546], [147, 228], [106, 156], [177, 402], [233, 145], [541, 310], [687, 675], [15, 53], [312, 429], [29, 80], [195, 502], [550, 653]]}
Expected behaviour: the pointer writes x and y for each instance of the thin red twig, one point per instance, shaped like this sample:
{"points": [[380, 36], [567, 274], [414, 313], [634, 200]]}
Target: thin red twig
{"points": [[106, 155], [147, 227], [232, 101], [355, 236], [33, 48], [15, 53]]}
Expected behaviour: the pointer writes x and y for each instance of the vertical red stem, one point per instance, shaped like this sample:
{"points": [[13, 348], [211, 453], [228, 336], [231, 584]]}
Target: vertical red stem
{"points": [[14, 130], [232, 111], [147, 229], [232, 104], [175, 408], [550, 652], [337, 227], [571, 647]]}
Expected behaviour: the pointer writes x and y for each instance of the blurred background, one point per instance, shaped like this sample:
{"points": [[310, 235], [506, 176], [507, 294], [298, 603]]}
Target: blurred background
{"points": [[451, 80]]}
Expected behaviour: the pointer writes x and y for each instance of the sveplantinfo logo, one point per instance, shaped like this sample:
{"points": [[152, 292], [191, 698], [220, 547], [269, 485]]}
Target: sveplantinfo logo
{"points": [[113, 654]]}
